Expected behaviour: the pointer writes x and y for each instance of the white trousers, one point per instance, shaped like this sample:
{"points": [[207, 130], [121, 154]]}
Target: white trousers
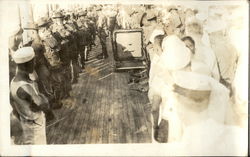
{"points": [[34, 132]]}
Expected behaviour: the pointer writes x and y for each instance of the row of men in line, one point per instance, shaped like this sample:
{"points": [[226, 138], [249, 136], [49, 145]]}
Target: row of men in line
{"points": [[60, 48]]}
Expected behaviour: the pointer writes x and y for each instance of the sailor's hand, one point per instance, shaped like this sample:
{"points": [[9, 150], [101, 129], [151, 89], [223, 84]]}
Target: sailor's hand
{"points": [[49, 115]]}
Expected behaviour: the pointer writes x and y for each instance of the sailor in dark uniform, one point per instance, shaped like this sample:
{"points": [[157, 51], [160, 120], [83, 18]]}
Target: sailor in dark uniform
{"points": [[62, 35], [84, 36], [71, 26], [51, 54]]}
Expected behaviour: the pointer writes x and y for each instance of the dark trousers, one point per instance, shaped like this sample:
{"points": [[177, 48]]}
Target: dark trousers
{"points": [[93, 35], [44, 81], [83, 54], [102, 36], [66, 79], [73, 48], [57, 82], [104, 47], [75, 67]]}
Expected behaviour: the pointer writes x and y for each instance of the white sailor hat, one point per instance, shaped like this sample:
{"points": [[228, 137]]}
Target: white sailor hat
{"points": [[23, 55], [155, 33], [175, 54], [192, 80], [193, 85]]}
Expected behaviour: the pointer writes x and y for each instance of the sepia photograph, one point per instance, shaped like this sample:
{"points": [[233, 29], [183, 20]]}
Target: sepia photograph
{"points": [[168, 75]]}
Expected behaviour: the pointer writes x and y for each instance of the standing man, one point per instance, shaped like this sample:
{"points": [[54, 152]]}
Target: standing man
{"points": [[102, 32], [84, 34], [51, 54], [63, 35], [112, 13], [92, 24], [30, 103], [71, 26]]}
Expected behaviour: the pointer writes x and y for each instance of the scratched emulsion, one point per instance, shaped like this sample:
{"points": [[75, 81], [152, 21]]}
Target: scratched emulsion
{"points": [[101, 108]]}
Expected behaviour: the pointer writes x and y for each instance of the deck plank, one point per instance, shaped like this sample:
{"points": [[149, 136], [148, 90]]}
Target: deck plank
{"points": [[127, 127], [103, 109], [105, 134], [111, 112], [83, 126], [81, 109], [126, 119], [131, 117], [86, 115], [141, 123], [85, 95], [92, 107], [99, 112], [103, 126]]}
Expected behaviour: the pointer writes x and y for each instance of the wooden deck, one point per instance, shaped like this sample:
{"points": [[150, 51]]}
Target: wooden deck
{"points": [[111, 113]]}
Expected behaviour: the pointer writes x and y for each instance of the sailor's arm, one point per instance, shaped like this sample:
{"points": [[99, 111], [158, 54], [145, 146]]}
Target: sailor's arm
{"points": [[28, 93]]}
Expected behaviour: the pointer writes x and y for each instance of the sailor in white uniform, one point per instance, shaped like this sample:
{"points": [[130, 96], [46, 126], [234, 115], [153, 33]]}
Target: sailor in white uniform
{"points": [[30, 105]]}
